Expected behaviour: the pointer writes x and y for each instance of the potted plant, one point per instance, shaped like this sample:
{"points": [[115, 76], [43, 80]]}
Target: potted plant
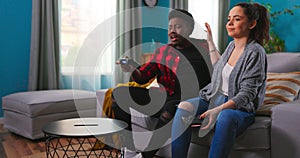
{"points": [[276, 44]]}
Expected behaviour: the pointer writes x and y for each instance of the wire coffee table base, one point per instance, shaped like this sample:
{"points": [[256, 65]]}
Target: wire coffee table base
{"points": [[75, 147]]}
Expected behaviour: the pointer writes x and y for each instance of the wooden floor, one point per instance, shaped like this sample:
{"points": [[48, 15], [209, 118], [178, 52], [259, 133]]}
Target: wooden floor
{"points": [[15, 146]]}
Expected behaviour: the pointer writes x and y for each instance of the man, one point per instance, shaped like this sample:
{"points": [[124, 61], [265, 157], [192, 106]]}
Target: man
{"points": [[181, 70]]}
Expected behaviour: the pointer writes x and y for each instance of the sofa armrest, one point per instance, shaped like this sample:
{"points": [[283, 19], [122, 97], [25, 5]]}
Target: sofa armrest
{"points": [[285, 137]]}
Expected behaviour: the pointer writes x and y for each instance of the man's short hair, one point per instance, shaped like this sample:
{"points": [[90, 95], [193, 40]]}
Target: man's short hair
{"points": [[183, 14]]}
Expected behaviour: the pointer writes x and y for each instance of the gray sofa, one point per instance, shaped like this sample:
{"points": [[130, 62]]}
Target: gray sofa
{"points": [[275, 135]]}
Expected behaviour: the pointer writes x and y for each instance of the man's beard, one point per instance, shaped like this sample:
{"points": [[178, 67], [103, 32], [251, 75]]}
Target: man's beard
{"points": [[182, 43]]}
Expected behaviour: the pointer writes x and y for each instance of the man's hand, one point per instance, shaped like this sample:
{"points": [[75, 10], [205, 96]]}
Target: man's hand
{"points": [[127, 65]]}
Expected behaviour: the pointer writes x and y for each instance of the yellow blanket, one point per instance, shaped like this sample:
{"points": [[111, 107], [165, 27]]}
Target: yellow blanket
{"points": [[108, 112]]}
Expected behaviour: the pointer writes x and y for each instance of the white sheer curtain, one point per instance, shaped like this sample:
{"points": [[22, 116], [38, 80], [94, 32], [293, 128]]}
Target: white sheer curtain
{"points": [[87, 36], [215, 13], [205, 11], [94, 35], [129, 35]]}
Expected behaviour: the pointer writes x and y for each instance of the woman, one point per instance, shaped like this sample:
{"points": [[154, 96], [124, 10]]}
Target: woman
{"points": [[237, 88]]}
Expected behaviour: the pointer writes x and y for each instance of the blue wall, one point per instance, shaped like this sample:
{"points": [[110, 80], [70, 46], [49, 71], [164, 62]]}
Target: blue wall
{"points": [[155, 25], [15, 29], [287, 26]]}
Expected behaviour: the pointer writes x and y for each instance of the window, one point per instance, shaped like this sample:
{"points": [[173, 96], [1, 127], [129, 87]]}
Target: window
{"points": [[79, 19], [204, 11]]}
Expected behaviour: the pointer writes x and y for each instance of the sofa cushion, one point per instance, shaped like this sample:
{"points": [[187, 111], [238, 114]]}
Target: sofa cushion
{"points": [[281, 87], [283, 62], [260, 130]]}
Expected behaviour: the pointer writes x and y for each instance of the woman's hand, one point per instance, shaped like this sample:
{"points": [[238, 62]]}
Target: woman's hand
{"points": [[210, 118], [212, 115], [213, 51], [209, 33]]}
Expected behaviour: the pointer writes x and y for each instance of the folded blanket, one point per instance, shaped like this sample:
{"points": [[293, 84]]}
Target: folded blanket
{"points": [[108, 112]]}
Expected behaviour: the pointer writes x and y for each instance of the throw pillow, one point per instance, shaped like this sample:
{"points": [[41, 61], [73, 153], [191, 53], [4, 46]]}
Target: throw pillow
{"points": [[281, 87]]}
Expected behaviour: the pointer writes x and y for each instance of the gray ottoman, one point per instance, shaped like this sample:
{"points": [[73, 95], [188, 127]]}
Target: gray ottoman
{"points": [[26, 113]]}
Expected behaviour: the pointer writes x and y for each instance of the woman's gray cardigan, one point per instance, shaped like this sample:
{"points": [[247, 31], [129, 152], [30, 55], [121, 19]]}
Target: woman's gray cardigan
{"points": [[247, 81]]}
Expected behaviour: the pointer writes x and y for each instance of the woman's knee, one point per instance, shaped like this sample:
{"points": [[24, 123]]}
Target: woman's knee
{"points": [[186, 106]]}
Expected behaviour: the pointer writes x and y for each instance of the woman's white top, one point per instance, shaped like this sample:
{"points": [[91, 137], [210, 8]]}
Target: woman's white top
{"points": [[225, 78]]}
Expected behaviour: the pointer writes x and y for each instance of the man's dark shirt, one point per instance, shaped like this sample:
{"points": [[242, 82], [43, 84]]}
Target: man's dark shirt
{"points": [[192, 74]]}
